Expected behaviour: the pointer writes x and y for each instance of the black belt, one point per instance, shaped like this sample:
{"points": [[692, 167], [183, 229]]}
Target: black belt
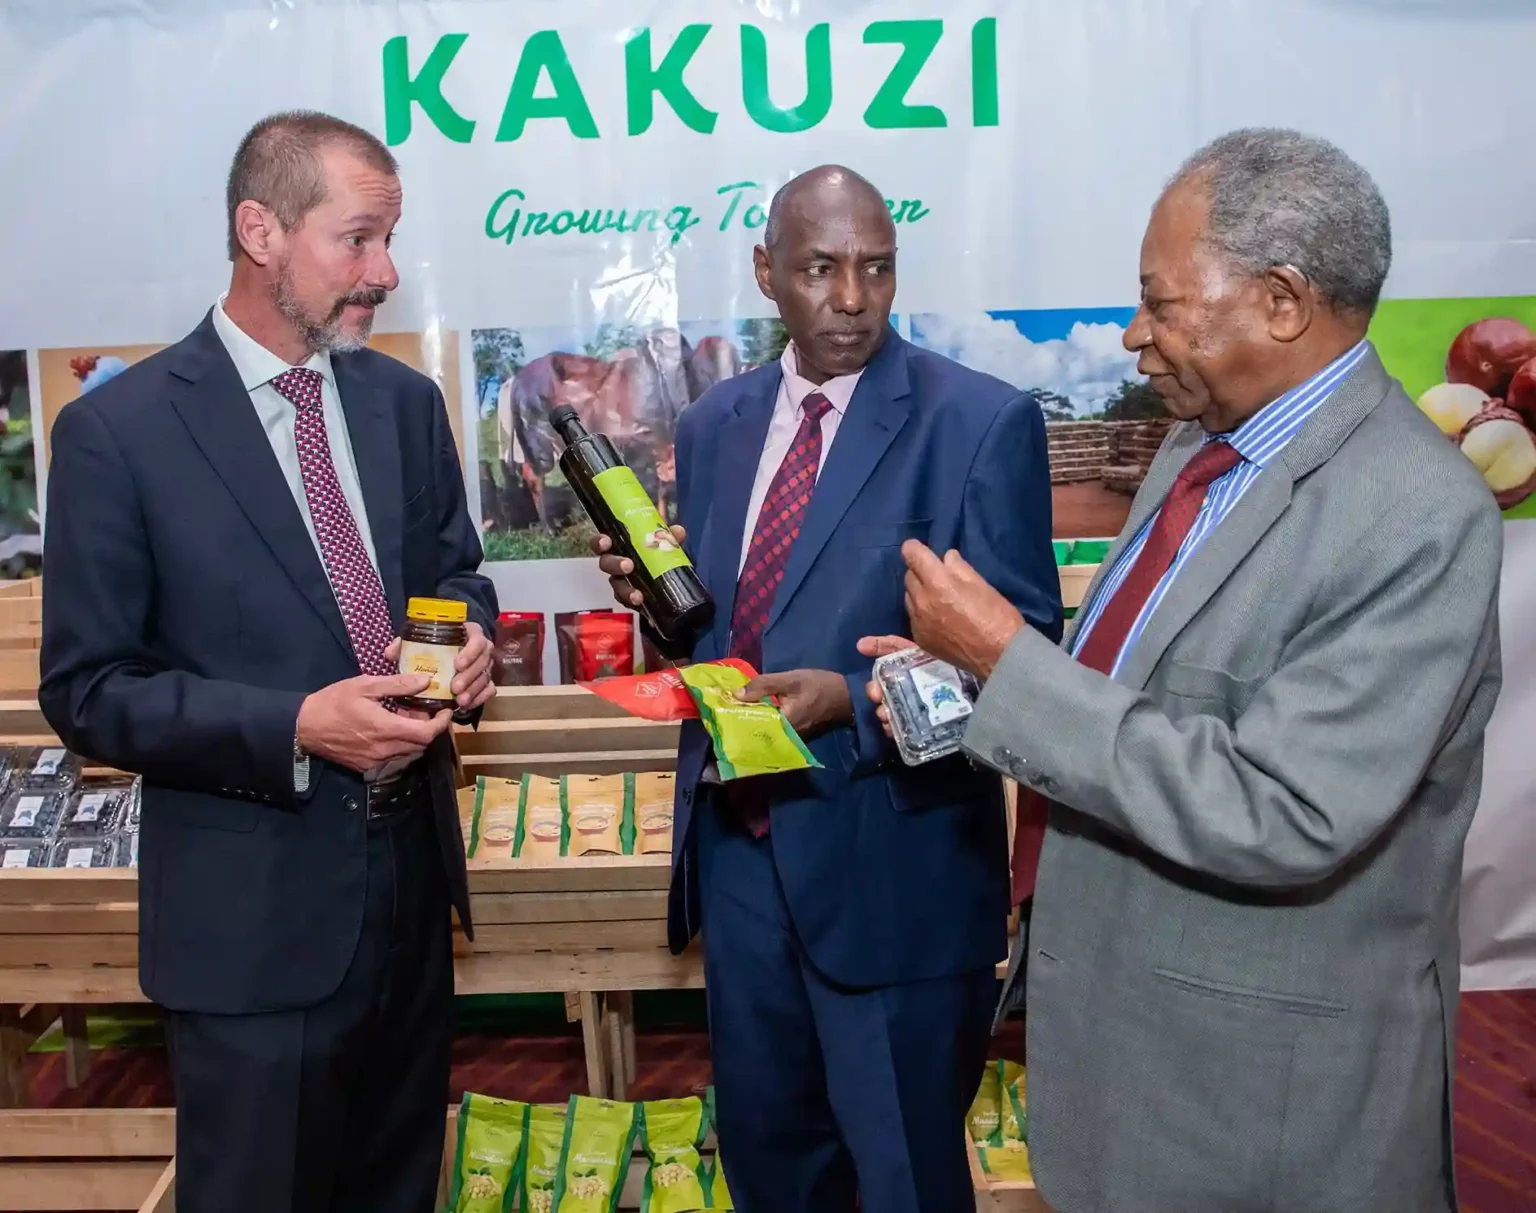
{"points": [[400, 794]]}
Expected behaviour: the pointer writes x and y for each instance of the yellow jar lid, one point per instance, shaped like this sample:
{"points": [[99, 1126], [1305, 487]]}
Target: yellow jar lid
{"points": [[436, 610]]}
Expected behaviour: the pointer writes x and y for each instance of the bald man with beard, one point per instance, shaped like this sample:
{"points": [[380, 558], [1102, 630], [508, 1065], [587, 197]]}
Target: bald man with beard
{"points": [[853, 915]]}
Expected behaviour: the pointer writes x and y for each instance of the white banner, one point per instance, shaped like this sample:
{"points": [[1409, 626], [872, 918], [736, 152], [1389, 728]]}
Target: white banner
{"points": [[584, 182]]}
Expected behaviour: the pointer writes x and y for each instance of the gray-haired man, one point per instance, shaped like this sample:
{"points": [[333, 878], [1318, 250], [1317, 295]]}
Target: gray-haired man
{"points": [[1260, 750]]}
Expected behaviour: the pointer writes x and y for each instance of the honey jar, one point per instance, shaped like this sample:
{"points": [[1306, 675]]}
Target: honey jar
{"points": [[434, 633]]}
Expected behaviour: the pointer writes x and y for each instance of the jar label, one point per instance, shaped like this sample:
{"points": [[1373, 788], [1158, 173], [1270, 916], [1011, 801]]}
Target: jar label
{"points": [[659, 552], [433, 660]]}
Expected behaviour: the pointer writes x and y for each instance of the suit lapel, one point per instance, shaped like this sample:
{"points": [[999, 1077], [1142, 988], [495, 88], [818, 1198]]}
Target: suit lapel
{"points": [[1208, 569], [216, 409], [739, 448], [879, 408], [1261, 506], [376, 455]]}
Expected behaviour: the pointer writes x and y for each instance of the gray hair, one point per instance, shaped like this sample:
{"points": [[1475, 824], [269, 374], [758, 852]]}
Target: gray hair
{"points": [[1279, 197], [278, 165]]}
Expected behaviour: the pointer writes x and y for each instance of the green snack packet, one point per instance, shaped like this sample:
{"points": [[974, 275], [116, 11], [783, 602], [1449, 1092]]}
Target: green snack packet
{"points": [[546, 1142], [671, 1134], [986, 1114], [594, 1160], [1062, 549], [719, 1194], [1008, 1163], [1010, 1081], [488, 1161], [1090, 551], [749, 738]]}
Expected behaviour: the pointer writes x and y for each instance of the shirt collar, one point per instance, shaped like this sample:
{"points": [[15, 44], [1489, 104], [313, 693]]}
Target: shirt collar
{"points": [[839, 391], [254, 362], [1264, 435]]}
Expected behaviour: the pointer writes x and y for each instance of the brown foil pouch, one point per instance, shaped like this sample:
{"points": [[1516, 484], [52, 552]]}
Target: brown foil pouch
{"points": [[653, 812], [541, 828], [493, 833], [594, 809]]}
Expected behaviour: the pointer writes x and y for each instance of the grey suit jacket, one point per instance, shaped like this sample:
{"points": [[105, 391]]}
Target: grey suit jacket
{"points": [[1243, 956]]}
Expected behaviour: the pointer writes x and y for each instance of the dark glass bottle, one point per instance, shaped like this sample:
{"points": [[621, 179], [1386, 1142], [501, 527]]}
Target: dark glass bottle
{"points": [[674, 600]]}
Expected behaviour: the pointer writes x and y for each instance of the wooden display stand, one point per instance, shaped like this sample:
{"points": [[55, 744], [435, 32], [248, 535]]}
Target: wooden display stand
{"points": [[591, 928]]}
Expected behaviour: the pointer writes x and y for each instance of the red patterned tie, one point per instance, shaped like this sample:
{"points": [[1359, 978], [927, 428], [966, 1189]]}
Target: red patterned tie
{"points": [[778, 525], [359, 593], [1099, 651]]}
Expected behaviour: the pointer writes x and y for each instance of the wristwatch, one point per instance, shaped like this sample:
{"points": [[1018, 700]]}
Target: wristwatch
{"points": [[300, 767]]}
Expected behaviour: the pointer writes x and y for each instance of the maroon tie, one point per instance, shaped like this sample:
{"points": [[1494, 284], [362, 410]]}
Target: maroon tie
{"points": [[355, 582], [778, 525], [1099, 651]]}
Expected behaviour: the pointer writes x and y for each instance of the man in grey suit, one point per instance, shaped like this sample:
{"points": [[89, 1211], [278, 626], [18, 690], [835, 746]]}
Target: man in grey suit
{"points": [[1260, 747]]}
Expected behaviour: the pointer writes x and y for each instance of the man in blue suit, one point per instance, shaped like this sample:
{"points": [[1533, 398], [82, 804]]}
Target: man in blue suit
{"points": [[235, 526], [853, 915]]}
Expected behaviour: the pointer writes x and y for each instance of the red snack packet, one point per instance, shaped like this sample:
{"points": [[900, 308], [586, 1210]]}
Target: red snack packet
{"points": [[657, 696], [595, 644]]}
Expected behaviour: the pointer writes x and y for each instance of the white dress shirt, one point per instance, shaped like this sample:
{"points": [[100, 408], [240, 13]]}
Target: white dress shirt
{"points": [[788, 413], [257, 367]]}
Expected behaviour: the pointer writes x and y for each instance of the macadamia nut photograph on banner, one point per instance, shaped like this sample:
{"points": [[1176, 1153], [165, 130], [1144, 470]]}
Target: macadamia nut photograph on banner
{"points": [[1471, 365]]}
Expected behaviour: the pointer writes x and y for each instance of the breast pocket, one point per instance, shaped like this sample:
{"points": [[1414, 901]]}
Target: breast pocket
{"points": [[891, 534]]}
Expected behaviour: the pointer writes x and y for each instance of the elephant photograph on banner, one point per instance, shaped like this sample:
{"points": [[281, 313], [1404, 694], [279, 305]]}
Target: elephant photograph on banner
{"points": [[625, 381]]}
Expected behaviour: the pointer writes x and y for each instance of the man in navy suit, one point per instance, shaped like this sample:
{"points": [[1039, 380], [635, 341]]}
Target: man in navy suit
{"points": [[234, 527], [853, 915]]}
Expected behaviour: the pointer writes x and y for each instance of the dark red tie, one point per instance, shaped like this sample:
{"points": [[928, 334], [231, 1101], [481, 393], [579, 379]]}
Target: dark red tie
{"points": [[778, 525], [1099, 651], [359, 593]]}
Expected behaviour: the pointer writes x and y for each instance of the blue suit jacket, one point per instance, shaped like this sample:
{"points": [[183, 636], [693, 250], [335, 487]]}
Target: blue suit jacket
{"points": [[892, 873], [188, 615]]}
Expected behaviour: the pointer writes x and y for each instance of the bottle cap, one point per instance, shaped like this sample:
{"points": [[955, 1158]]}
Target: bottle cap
{"points": [[436, 610]]}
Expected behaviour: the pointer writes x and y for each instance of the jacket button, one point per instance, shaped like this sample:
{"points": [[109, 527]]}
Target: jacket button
{"points": [[350, 804], [687, 795], [1003, 757]]}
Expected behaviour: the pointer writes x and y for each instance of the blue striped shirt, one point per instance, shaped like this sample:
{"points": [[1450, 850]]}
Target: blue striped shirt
{"points": [[1259, 440]]}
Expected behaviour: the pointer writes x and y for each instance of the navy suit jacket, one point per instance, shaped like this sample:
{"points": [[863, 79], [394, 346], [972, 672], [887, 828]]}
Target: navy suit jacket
{"points": [[892, 873], [187, 617]]}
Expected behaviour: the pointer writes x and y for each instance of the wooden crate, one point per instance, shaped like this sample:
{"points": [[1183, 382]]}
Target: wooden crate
{"points": [[109, 1159]]}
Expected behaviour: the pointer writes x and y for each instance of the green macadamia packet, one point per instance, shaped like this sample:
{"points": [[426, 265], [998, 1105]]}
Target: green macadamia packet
{"points": [[672, 1132], [748, 738], [594, 1160], [985, 1117], [488, 1160], [541, 1171]]}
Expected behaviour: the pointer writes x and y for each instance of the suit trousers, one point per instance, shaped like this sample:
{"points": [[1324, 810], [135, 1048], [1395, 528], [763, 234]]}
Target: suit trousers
{"points": [[827, 1095], [338, 1107]]}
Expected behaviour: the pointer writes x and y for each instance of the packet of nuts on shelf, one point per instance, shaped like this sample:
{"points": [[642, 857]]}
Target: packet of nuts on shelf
{"points": [[541, 828], [596, 808], [84, 853], [929, 702], [595, 644], [546, 1142], [1010, 1080], [517, 656], [95, 810], [493, 825], [47, 770], [489, 1157], [30, 815], [653, 812], [599, 1139], [23, 853], [672, 1133], [985, 1116]]}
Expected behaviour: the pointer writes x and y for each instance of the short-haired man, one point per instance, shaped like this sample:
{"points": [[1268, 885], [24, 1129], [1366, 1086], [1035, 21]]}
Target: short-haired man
{"points": [[1260, 752], [852, 916], [234, 527]]}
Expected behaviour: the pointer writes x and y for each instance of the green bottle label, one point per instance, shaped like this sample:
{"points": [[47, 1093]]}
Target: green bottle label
{"points": [[631, 505]]}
